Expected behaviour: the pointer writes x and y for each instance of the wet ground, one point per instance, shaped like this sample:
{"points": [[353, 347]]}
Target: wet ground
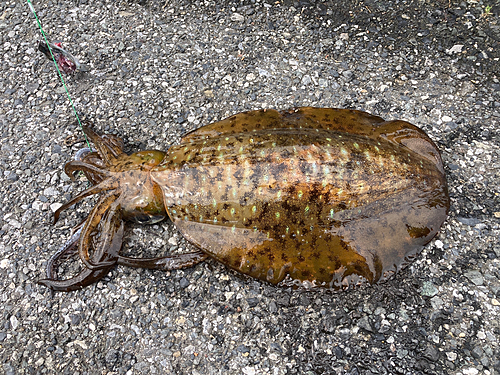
{"points": [[158, 70]]}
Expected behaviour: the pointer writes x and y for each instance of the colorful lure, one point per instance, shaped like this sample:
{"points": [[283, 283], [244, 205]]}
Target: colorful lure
{"points": [[64, 60], [308, 197]]}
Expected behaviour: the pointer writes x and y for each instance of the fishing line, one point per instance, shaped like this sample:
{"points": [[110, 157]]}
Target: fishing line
{"points": [[30, 5]]}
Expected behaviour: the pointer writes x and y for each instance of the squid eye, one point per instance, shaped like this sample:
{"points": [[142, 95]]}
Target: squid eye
{"points": [[147, 219]]}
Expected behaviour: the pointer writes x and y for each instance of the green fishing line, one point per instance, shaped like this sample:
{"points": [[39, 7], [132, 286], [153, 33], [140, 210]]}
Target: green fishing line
{"points": [[30, 5]]}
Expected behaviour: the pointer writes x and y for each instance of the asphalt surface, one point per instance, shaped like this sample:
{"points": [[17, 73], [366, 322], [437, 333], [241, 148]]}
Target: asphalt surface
{"points": [[158, 70]]}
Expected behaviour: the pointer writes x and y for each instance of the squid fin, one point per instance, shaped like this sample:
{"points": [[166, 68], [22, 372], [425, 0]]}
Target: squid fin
{"points": [[345, 120]]}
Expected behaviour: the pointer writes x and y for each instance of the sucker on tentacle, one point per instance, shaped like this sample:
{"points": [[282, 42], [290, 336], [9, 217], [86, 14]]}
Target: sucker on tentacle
{"points": [[305, 197]]}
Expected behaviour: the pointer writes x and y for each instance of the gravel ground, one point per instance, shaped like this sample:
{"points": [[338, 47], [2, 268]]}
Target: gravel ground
{"points": [[158, 70]]}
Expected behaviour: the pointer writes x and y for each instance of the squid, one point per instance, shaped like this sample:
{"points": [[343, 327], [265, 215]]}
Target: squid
{"points": [[312, 197]]}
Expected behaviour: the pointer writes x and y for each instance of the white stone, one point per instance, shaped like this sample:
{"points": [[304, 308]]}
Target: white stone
{"points": [[135, 329], [457, 48], [237, 17], [263, 72], [323, 82], [451, 356], [50, 191], [250, 77], [436, 302], [470, 371], [15, 224], [81, 344], [439, 244], [14, 322], [446, 119], [55, 206], [306, 80]]}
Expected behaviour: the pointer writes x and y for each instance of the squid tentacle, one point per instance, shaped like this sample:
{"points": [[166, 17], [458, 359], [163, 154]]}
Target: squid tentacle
{"points": [[82, 153], [108, 147], [66, 250], [98, 240], [69, 247], [105, 256], [114, 234], [86, 156], [77, 165], [105, 185], [90, 160], [94, 159], [80, 281], [88, 276], [166, 263], [112, 228], [105, 212], [114, 143]]}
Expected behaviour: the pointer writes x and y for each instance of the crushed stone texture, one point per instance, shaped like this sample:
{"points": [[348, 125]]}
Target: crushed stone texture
{"points": [[157, 70]]}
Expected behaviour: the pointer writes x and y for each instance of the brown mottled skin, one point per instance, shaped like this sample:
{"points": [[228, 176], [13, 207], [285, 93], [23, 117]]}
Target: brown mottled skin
{"points": [[310, 196]]}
